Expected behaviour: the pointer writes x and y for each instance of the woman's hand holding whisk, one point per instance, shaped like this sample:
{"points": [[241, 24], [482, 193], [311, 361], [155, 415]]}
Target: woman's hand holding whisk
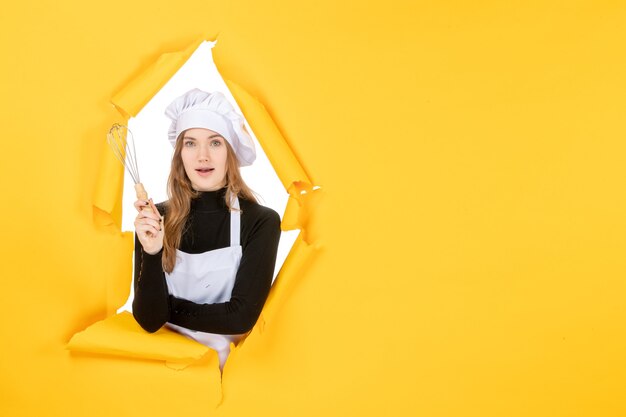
{"points": [[149, 227]]}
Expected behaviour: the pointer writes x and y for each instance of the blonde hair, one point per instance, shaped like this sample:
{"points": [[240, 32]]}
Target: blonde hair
{"points": [[180, 193]]}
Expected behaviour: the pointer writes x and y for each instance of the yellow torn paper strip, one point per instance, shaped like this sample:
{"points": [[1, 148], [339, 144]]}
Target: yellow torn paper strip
{"points": [[285, 163], [297, 260], [134, 96], [120, 335], [276, 148], [107, 206]]}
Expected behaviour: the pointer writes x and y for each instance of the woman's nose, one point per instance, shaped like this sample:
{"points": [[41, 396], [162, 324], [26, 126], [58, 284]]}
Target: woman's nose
{"points": [[203, 153]]}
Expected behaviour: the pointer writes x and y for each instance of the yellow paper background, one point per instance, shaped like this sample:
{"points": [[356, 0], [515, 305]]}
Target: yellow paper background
{"points": [[471, 156]]}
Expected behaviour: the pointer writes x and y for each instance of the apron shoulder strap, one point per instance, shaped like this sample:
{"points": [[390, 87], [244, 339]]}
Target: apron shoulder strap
{"points": [[235, 222]]}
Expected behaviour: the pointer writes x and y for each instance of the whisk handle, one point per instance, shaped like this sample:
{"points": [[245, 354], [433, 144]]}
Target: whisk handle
{"points": [[142, 195]]}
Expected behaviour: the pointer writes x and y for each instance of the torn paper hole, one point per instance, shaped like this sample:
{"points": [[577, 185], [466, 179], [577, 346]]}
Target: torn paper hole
{"points": [[154, 152], [119, 334]]}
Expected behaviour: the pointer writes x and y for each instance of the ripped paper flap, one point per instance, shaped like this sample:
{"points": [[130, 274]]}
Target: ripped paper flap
{"points": [[120, 335]]}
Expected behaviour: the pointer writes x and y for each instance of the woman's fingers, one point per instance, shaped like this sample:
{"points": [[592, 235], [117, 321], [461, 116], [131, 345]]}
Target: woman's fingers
{"points": [[139, 205], [141, 221], [149, 210], [155, 210], [149, 230], [149, 226], [148, 223]]}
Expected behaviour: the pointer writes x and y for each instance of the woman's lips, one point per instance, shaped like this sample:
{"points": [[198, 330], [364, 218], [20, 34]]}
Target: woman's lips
{"points": [[204, 172]]}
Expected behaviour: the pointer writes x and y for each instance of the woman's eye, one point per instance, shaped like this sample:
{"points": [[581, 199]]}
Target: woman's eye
{"points": [[216, 143], [189, 142]]}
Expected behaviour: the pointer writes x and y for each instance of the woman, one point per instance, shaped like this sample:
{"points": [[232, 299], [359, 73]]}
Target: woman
{"points": [[204, 259]]}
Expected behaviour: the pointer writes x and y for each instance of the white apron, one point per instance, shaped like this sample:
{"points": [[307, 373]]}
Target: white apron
{"points": [[209, 278]]}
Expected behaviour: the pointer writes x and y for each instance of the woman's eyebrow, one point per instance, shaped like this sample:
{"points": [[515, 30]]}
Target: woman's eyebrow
{"points": [[217, 135]]}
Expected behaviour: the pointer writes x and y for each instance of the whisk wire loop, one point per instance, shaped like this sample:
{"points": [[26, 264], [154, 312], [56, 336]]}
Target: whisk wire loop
{"points": [[120, 139]]}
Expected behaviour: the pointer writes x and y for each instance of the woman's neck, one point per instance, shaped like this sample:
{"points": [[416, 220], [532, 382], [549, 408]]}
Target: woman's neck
{"points": [[209, 200]]}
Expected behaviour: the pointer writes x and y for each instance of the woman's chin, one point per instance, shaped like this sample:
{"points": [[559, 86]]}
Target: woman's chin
{"points": [[199, 186]]}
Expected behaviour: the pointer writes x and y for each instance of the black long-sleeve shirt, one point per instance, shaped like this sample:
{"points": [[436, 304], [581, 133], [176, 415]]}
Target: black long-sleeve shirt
{"points": [[208, 228]]}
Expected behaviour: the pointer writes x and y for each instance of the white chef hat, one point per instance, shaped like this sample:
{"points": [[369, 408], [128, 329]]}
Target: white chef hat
{"points": [[197, 108]]}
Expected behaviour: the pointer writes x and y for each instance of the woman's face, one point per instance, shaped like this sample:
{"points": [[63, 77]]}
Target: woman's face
{"points": [[204, 158]]}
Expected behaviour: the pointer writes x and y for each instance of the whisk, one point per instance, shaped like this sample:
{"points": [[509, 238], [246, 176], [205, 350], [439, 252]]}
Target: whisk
{"points": [[120, 139]]}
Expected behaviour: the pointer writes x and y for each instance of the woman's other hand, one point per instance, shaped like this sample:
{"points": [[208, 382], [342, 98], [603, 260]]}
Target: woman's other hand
{"points": [[149, 227]]}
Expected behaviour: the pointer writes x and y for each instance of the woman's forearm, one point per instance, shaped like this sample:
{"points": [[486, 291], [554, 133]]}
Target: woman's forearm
{"points": [[151, 302]]}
